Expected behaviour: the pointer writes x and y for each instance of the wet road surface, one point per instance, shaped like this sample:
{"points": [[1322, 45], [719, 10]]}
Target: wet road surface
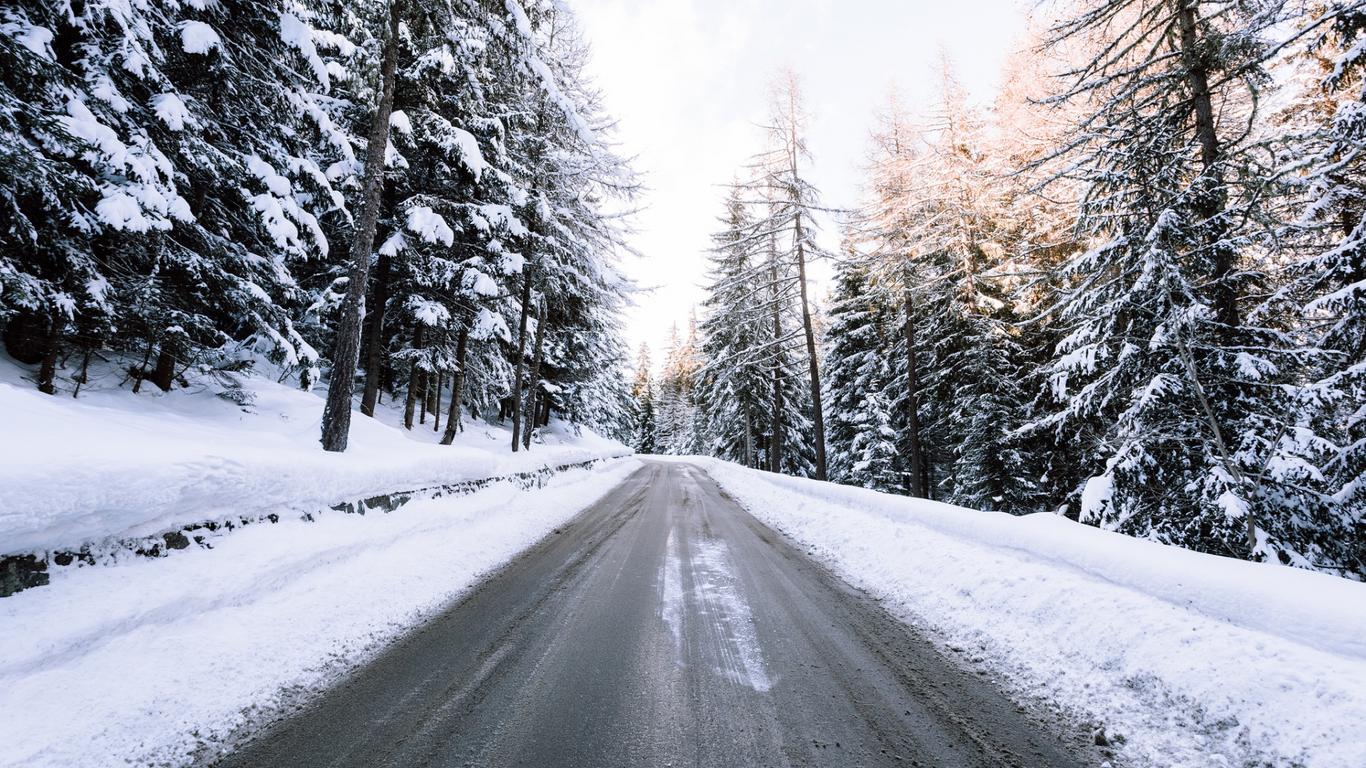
{"points": [[663, 627]]}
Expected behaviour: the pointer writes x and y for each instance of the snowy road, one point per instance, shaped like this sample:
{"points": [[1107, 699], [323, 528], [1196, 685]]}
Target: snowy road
{"points": [[664, 626]]}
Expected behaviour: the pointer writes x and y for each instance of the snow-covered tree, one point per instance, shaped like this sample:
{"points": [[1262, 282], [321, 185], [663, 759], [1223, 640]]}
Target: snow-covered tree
{"points": [[163, 172], [863, 439], [185, 184], [1166, 374], [1322, 136], [759, 312], [645, 427], [677, 420], [733, 380], [789, 201]]}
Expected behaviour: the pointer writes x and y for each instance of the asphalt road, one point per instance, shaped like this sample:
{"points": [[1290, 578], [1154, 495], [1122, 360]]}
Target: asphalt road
{"points": [[664, 627]]}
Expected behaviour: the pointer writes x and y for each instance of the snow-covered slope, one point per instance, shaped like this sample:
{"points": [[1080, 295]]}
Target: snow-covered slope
{"points": [[112, 465], [1190, 659]]}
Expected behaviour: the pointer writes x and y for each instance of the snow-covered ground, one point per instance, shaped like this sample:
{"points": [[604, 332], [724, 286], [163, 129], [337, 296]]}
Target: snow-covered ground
{"points": [[146, 661], [112, 465], [1191, 660]]}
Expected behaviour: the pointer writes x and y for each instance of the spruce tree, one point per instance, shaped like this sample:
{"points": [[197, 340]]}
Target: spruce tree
{"points": [[1164, 375], [733, 380], [863, 439]]}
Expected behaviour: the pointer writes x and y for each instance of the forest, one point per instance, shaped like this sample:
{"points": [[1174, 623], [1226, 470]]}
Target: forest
{"points": [[402, 199], [1130, 290]]}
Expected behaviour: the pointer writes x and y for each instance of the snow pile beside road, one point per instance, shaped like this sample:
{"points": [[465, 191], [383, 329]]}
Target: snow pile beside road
{"points": [[114, 465], [148, 661], [1193, 660]]}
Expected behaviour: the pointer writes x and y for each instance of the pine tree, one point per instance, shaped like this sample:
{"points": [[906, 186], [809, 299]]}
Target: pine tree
{"points": [[571, 174], [789, 203], [188, 138], [336, 422], [1325, 291], [677, 419], [933, 233], [171, 176], [863, 439], [882, 236], [733, 381], [644, 427], [974, 373], [1163, 375], [768, 239]]}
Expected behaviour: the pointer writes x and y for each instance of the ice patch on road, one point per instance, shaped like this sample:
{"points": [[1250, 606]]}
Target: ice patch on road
{"points": [[671, 593], [714, 584]]}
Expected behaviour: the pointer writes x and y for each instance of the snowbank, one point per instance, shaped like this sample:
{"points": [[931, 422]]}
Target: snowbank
{"points": [[114, 465], [151, 661], [1194, 660]]}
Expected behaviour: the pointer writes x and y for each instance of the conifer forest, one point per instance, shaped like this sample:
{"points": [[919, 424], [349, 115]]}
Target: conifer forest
{"points": [[410, 199], [1129, 289]]}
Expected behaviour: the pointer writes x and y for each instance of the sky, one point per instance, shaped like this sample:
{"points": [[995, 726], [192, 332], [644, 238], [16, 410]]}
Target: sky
{"points": [[687, 81]]}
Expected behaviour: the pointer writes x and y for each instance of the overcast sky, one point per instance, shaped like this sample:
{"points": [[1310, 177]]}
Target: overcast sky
{"points": [[688, 79]]}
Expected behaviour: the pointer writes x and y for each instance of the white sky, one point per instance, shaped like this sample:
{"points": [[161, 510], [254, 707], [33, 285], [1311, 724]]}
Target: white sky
{"points": [[688, 81]]}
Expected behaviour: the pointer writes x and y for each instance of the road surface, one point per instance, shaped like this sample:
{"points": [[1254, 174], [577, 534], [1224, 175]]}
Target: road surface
{"points": [[664, 627]]}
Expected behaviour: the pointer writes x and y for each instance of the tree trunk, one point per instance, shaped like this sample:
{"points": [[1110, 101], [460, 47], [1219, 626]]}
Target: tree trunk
{"points": [[817, 414], [139, 373], [436, 401], [423, 401], [414, 373], [419, 387], [535, 393], [917, 479], [336, 425], [47, 369], [457, 387], [927, 477], [1210, 199], [749, 437], [164, 372], [521, 353], [374, 352], [1210, 203], [431, 386], [84, 375], [775, 458]]}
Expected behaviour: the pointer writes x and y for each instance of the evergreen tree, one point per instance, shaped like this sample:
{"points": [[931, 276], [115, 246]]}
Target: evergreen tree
{"points": [[1166, 379], [733, 381], [677, 420], [1325, 290], [645, 425], [862, 436], [788, 202], [187, 139], [171, 176]]}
